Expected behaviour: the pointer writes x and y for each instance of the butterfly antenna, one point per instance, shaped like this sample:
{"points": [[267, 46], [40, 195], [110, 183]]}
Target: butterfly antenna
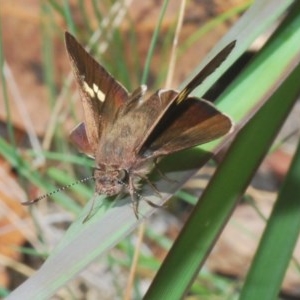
{"points": [[68, 186]]}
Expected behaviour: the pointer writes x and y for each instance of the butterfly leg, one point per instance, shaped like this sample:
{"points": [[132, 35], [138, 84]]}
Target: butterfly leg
{"points": [[155, 190], [90, 210], [134, 199], [153, 204], [150, 183]]}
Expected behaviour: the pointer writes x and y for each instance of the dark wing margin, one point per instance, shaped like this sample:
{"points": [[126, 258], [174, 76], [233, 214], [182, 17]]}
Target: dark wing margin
{"points": [[101, 94], [205, 72]]}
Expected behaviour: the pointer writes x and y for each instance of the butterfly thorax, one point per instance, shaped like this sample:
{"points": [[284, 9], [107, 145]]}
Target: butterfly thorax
{"points": [[120, 139]]}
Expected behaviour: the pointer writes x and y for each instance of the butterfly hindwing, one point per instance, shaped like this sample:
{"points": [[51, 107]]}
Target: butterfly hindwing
{"points": [[192, 122], [79, 138]]}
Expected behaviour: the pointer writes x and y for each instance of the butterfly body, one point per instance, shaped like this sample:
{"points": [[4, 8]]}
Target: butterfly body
{"points": [[117, 165]]}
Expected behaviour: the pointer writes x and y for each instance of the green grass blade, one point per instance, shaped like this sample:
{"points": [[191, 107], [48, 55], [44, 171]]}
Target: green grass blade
{"points": [[207, 27], [269, 267], [153, 42], [68, 17], [56, 6], [260, 16]]}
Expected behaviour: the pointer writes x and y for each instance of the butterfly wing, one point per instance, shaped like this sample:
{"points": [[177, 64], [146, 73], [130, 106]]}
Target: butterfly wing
{"points": [[101, 94], [186, 121], [79, 138], [192, 122]]}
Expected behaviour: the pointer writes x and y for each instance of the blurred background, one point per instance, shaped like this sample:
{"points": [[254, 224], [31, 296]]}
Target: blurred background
{"points": [[39, 105]]}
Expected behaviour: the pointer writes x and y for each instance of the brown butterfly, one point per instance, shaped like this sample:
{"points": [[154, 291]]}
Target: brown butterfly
{"points": [[126, 133]]}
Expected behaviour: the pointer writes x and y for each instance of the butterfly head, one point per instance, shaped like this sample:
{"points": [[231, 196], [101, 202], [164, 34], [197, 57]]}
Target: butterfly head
{"points": [[110, 182]]}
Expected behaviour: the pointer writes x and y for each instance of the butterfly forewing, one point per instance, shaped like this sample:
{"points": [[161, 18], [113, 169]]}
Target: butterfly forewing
{"points": [[101, 94]]}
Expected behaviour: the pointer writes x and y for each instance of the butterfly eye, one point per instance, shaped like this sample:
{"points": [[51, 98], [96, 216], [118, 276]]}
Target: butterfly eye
{"points": [[122, 176]]}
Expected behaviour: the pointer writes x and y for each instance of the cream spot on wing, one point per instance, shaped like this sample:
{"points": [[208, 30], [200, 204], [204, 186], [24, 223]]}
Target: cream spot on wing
{"points": [[100, 96], [88, 89], [95, 88], [93, 92]]}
